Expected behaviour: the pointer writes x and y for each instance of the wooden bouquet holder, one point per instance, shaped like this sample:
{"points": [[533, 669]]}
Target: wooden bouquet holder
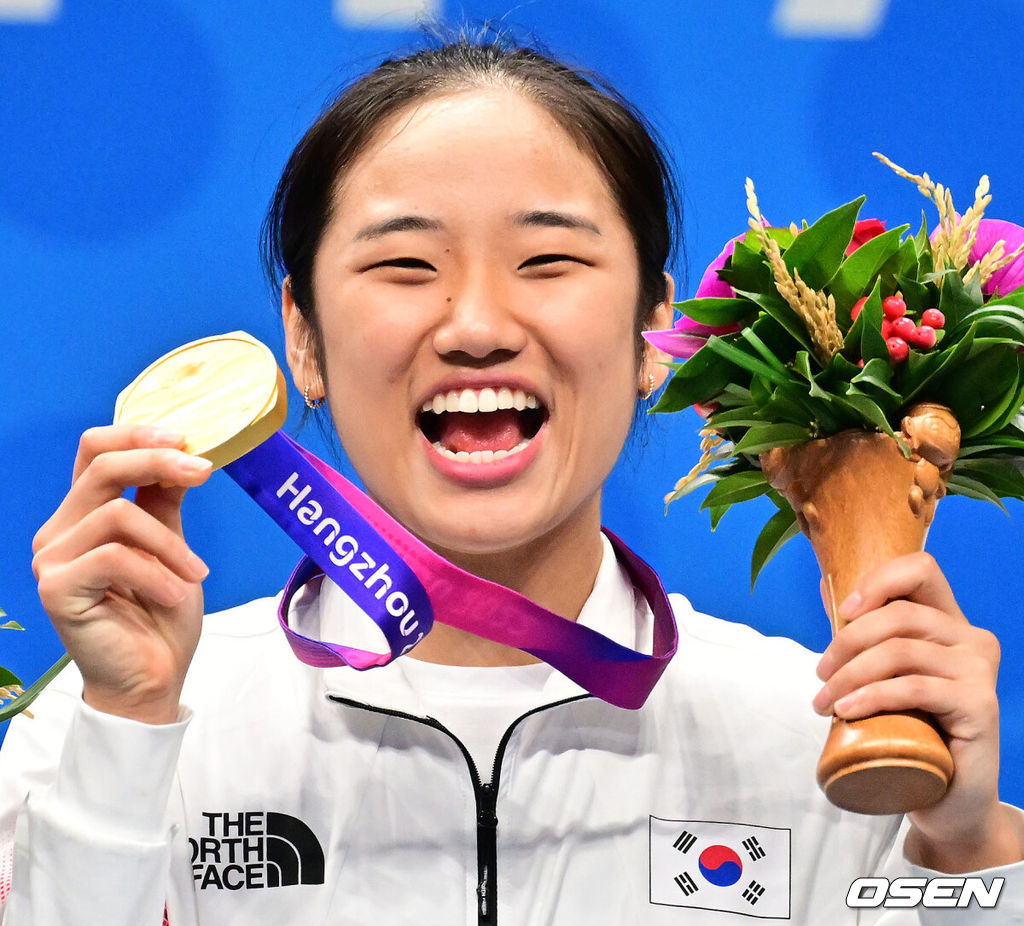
{"points": [[861, 502]]}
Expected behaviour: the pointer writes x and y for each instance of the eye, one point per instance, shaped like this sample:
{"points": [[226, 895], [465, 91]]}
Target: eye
{"points": [[404, 263], [545, 265], [403, 270]]}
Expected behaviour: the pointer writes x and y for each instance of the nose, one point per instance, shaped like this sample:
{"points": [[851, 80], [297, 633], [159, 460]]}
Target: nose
{"points": [[479, 325]]}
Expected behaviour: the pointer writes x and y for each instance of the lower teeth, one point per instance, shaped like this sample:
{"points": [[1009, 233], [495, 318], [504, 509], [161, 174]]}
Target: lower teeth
{"points": [[478, 456]]}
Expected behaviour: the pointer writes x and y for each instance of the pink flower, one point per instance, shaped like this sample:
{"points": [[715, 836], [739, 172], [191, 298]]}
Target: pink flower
{"points": [[710, 286], [863, 232], [1011, 276], [686, 337]]}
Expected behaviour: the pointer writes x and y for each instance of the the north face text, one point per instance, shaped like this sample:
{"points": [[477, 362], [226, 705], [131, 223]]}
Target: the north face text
{"points": [[255, 849]]}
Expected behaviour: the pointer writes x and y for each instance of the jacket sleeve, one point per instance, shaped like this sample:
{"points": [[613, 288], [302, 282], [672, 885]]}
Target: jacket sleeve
{"points": [[85, 796], [1008, 909]]}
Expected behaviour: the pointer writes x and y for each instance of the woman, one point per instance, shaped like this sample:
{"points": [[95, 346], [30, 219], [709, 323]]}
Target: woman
{"points": [[465, 230]]}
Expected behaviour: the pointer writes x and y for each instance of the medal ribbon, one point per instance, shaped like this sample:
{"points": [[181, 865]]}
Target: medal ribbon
{"points": [[401, 583]]}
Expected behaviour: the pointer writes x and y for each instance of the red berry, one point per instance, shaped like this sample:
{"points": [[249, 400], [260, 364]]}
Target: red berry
{"points": [[894, 306], [902, 327], [933, 318], [860, 363], [857, 306], [887, 331], [923, 337], [898, 349]]}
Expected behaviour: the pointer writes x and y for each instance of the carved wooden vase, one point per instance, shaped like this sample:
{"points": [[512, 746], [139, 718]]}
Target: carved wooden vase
{"points": [[861, 502]]}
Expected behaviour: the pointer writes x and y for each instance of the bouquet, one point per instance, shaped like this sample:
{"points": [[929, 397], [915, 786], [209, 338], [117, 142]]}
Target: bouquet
{"points": [[803, 333], [855, 375]]}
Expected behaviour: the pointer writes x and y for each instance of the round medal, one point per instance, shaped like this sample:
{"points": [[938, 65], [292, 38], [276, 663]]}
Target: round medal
{"points": [[225, 394]]}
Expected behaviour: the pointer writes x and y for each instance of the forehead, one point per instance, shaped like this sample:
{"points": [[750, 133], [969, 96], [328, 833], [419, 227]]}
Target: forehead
{"points": [[483, 147]]}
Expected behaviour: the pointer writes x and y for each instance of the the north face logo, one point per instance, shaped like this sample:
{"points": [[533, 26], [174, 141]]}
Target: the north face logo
{"points": [[255, 849]]}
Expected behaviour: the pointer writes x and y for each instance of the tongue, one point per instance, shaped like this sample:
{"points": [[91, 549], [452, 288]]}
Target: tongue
{"points": [[468, 431]]}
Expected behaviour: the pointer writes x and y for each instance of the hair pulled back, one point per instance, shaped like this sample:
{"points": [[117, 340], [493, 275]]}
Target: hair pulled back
{"points": [[597, 117]]}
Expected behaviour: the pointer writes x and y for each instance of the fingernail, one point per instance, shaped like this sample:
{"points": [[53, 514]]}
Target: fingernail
{"points": [[845, 703], [821, 703], [196, 464], [826, 666], [163, 436], [199, 569], [849, 607]]}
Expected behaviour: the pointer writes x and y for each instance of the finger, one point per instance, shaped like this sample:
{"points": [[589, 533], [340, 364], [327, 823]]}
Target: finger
{"points": [[964, 710], [121, 437], [163, 504], [75, 588], [111, 473], [914, 577], [119, 521], [891, 658], [896, 619]]}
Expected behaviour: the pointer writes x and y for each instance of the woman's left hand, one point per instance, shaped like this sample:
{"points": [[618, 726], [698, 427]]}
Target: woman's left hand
{"points": [[908, 645]]}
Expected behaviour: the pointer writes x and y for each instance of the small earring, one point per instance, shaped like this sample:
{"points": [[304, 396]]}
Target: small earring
{"points": [[311, 403], [650, 387]]}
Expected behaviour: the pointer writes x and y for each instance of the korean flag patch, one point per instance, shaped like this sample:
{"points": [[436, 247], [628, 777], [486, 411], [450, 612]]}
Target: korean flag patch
{"points": [[731, 867]]}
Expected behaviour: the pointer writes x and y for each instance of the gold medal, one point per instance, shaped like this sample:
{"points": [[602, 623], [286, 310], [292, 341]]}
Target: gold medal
{"points": [[225, 394]]}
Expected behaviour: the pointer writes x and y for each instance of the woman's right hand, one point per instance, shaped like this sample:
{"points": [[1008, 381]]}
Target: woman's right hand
{"points": [[117, 578]]}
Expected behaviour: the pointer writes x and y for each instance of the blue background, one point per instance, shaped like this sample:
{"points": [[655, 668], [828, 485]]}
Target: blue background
{"points": [[141, 142]]}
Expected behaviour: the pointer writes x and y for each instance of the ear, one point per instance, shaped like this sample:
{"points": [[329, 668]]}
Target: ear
{"points": [[654, 359], [299, 351]]}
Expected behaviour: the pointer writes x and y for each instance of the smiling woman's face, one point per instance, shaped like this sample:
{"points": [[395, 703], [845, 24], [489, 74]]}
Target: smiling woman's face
{"points": [[476, 292]]}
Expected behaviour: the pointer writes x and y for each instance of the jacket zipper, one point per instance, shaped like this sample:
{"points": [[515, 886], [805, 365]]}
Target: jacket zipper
{"points": [[486, 795]]}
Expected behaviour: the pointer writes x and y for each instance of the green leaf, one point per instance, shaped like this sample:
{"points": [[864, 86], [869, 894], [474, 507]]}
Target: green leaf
{"points": [[917, 296], [867, 409], [777, 308], [978, 383], [864, 339], [957, 299], [782, 235], [31, 693], [1001, 476], [750, 336], [766, 436], [716, 514], [10, 625], [818, 251], [716, 311], [739, 487], [922, 240], [999, 414], [924, 371], [745, 416], [747, 270], [781, 527], [859, 270], [972, 488], [744, 360], [877, 373], [8, 678], [700, 379]]}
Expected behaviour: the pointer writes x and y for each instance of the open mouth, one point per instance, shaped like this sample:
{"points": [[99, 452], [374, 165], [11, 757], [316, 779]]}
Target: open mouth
{"points": [[481, 425]]}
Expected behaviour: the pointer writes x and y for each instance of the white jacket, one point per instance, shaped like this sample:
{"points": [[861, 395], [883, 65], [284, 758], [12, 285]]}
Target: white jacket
{"points": [[294, 795]]}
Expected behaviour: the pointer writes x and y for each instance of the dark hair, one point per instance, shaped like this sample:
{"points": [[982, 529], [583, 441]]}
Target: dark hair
{"points": [[601, 121]]}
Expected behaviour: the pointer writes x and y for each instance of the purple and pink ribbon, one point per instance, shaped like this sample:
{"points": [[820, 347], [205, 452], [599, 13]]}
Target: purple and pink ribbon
{"points": [[403, 585]]}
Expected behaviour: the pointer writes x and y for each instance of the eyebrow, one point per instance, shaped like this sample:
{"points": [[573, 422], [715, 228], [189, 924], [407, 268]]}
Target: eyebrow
{"points": [[398, 223], [538, 218]]}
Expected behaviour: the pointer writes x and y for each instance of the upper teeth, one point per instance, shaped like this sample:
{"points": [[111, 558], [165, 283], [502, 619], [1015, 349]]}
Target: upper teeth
{"points": [[480, 400]]}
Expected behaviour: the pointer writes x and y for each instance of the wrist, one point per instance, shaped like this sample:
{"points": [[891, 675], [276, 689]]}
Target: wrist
{"points": [[995, 842], [155, 711]]}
